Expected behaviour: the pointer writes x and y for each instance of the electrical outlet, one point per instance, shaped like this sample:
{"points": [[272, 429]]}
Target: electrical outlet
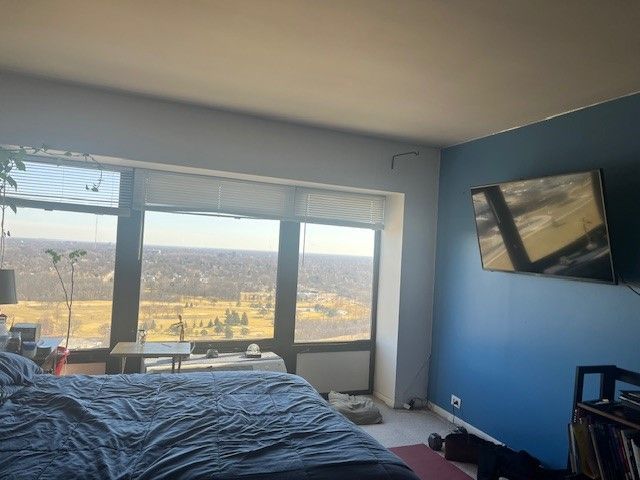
{"points": [[456, 402]]}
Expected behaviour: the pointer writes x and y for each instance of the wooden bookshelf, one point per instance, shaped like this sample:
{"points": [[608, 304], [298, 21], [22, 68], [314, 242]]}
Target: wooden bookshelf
{"points": [[617, 414], [609, 375], [607, 420]]}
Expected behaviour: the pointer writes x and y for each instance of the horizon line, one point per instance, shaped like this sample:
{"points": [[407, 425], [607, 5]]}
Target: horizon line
{"points": [[183, 247]]}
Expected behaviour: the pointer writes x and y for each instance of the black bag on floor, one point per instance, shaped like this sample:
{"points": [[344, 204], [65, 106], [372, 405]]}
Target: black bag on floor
{"points": [[463, 447], [496, 461]]}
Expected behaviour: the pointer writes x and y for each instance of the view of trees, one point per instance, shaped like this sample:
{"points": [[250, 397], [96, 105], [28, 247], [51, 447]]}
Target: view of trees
{"points": [[221, 294], [37, 279]]}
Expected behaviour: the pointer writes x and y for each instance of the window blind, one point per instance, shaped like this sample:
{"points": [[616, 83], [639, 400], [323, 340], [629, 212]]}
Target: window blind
{"points": [[59, 184], [339, 207], [167, 191], [177, 192]]}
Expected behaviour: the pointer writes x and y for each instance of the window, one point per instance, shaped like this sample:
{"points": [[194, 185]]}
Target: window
{"points": [[218, 273], [335, 284], [40, 295]]}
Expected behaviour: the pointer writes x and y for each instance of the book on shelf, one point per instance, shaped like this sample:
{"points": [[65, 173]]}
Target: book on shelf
{"points": [[603, 450], [627, 441], [635, 445], [619, 410], [583, 457], [630, 398], [632, 394]]}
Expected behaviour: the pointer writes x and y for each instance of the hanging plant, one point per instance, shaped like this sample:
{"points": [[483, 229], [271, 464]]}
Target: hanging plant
{"points": [[45, 150], [10, 159]]}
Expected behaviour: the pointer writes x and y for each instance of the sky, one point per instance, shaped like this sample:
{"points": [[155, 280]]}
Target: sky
{"points": [[170, 229], [53, 182]]}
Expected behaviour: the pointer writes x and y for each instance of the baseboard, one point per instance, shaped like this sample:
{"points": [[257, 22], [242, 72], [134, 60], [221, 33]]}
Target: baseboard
{"points": [[388, 401], [441, 412]]}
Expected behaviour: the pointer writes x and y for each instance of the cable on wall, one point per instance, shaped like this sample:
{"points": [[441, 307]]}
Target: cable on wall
{"points": [[634, 288], [393, 159]]}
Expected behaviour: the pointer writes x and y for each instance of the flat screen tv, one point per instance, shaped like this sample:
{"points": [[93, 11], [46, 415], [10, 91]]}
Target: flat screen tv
{"points": [[546, 226]]}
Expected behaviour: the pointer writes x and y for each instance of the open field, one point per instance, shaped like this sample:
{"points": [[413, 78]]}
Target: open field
{"points": [[334, 293], [325, 317], [90, 324]]}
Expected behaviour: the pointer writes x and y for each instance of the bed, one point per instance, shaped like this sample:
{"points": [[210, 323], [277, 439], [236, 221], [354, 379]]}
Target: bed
{"points": [[209, 425]]}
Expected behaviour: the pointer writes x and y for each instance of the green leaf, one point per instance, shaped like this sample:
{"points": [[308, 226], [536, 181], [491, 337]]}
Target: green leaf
{"points": [[75, 254], [14, 208], [20, 165], [12, 182], [55, 256]]}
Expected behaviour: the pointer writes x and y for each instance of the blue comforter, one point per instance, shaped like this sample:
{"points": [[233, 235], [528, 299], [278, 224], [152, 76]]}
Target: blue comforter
{"points": [[222, 425]]}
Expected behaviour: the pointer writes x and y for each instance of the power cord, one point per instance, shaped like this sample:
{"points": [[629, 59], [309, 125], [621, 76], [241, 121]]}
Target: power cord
{"points": [[629, 285], [453, 414], [424, 364], [632, 289]]}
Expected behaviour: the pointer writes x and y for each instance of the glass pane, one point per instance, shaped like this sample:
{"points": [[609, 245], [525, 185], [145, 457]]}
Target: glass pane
{"points": [[40, 294], [335, 280], [219, 273], [552, 213], [492, 246]]}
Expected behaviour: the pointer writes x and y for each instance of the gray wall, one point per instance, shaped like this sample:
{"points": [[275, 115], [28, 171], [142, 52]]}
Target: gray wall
{"points": [[35, 111]]}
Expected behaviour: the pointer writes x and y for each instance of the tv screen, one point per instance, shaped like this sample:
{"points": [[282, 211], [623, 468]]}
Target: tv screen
{"points": [[548, 226]]}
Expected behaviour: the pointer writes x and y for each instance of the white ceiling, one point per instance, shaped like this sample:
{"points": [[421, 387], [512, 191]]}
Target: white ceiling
{"points": [[440, 72]]}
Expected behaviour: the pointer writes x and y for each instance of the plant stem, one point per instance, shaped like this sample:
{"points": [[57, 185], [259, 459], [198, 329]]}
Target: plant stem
{"points": [[66, 297], [66, 301], [4, 206], [66, 345]]}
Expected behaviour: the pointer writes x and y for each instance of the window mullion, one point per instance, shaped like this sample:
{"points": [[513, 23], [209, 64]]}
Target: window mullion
{"points": [[374, 306], [126, 283], [286, 291]]}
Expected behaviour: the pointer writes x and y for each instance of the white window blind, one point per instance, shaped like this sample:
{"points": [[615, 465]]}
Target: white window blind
{"points": [[339, 207], [176, 192], [74, 186]]}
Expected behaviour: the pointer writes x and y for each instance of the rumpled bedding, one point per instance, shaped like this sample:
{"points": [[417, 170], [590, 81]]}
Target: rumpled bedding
{"points": [[209, 425]]}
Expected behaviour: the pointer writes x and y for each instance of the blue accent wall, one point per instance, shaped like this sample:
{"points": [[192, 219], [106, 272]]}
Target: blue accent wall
{"points": [[508, 344]]}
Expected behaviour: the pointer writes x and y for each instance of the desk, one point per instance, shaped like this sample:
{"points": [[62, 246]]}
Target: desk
{"points": [[173, 350], [225, 361]]}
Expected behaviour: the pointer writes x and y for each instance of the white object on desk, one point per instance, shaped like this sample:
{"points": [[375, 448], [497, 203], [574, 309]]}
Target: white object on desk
{"points": [[225, 361]]}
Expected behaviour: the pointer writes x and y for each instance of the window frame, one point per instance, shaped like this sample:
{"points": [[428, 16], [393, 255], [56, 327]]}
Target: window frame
{"points": [[201, 346], [126, 302], [84, 355], [127, 286], [374, 296], [283, 341], [351, 345]]}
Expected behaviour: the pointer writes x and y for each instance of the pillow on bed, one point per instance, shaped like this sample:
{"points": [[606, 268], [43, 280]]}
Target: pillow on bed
{"points": [[17, 370]]}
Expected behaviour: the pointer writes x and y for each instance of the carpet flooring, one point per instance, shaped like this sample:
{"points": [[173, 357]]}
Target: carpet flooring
{"points": [[427, 464], [410, 427]]}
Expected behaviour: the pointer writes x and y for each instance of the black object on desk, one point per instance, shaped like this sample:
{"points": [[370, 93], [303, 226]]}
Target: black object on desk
{"points": [[29, 332], [47, 352]]}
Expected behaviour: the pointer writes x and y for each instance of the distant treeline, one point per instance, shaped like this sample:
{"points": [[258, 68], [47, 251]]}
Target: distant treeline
{"points": [[170, 273]]}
